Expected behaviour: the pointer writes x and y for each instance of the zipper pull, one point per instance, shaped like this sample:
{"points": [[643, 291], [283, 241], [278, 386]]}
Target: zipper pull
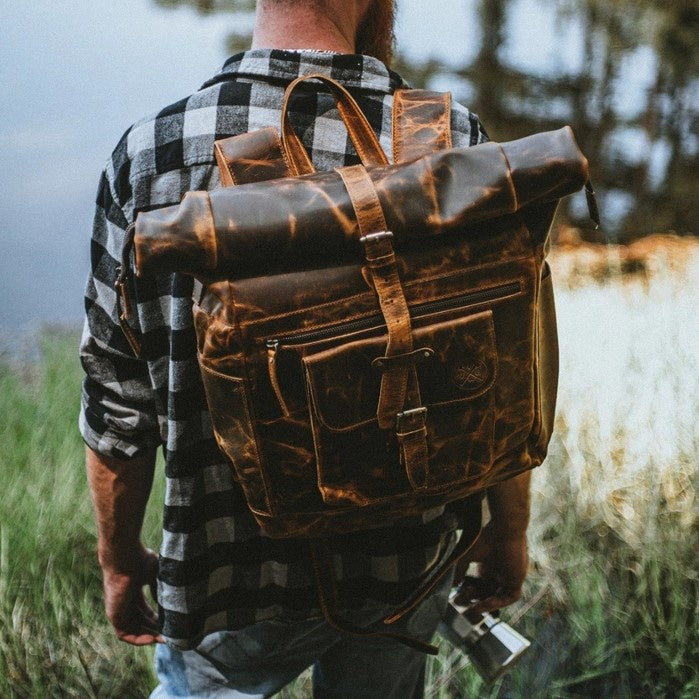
{"points": [[592, 204], [272, 349]]}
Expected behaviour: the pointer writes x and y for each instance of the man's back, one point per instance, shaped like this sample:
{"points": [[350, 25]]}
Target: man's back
{"points": [[249, 597], [211, 544]]}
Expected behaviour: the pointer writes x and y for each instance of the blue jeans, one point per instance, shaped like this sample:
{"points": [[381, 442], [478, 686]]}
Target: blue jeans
{"points": [[261, 659]]}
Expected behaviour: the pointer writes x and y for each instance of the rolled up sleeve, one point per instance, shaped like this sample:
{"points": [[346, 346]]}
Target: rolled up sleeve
{"points": [[118, 414]]}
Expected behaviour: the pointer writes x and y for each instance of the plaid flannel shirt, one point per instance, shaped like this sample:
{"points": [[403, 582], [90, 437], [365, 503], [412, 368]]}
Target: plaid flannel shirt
{"points": [[217, 570]]}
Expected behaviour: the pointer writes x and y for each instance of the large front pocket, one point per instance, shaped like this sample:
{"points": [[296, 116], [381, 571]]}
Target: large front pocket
{"points": [[359, 463], [233, 428]]}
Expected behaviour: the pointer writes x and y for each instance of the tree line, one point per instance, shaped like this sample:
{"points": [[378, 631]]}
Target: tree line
{"points": [[644, 160]]}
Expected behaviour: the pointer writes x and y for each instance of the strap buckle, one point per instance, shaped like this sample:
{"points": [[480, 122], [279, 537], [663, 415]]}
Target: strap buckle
{"points": [[372, 237], [417, 414]]}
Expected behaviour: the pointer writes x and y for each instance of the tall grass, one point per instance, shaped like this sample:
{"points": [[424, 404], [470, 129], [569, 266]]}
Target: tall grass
{"points": [[54, 638], [612, 598]]}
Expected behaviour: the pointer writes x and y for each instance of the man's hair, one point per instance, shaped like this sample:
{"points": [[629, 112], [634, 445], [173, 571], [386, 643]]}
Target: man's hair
{"points": [[376, 36], [316, 3]]}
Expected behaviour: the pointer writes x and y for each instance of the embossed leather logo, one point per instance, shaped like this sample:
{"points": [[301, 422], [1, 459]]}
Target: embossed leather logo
{"points": [[470, 375]]}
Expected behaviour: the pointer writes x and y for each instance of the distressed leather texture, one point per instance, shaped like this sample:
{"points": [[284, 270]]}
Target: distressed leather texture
{"points": [[308, 221], [421, 123], [354, 383], [251, 157]]}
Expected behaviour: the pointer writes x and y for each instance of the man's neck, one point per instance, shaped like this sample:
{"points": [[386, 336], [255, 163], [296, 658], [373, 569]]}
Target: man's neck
{"points": [[291, 26]]}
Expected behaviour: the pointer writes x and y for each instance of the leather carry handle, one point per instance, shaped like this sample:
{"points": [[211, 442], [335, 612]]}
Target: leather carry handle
{"points": [[359, 129]]}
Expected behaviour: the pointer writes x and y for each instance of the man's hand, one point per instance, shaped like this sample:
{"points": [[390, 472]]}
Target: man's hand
{"points": [[501, 550], [125, 602], [502, 567], [119, 489]]}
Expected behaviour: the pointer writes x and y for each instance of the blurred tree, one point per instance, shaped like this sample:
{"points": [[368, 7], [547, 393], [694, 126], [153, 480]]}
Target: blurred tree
{"points": [[648, 191], [672, 113]]}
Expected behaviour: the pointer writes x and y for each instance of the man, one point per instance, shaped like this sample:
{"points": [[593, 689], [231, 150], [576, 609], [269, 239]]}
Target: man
{"points": [[246, 602]]}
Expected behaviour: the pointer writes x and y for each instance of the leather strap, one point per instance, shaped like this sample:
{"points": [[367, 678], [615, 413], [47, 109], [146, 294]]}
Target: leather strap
{"points": [[469, 535], [421, 123], [411, 431], [124, 305], [327, 596], [381, 261], [327, 588], [360, 131], [382, 265], [365, 200]]}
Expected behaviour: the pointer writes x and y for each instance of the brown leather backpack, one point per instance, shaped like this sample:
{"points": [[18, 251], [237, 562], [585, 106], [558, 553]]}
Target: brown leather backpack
{"points": [[377, 340]]}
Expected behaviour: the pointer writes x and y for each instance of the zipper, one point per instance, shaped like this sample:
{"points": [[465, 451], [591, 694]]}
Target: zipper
{"points": [[272, 347], [272, 344], [472, 298]]}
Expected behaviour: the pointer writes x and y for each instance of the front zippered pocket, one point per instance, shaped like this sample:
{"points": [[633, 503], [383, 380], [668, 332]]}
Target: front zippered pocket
{"points": [[493, 293], [274, 344]]}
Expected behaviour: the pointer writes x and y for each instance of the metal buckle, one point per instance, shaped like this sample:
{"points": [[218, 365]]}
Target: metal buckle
{"points": [[371, 237], [407, 414]]}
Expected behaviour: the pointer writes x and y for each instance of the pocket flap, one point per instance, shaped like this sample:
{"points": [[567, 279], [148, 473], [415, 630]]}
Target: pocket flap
{"points": [[344, 386]]}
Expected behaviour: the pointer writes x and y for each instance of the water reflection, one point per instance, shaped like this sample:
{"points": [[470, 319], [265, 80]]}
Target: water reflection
{"points": [[622, 73]]}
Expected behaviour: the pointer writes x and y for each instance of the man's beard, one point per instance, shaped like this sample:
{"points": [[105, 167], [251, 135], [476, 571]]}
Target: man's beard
{"points": [[375, 36]]}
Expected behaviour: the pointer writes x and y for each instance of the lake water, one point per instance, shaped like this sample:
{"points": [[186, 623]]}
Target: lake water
{"points": [[76, 73]]}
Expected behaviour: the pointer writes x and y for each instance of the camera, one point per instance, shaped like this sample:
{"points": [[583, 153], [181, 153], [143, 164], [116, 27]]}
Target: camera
{"points": [[491, 645]]}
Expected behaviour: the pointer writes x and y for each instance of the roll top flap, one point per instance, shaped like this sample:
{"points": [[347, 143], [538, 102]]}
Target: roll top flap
{"points": [[305, 222], [546, 166], [177, 238]]}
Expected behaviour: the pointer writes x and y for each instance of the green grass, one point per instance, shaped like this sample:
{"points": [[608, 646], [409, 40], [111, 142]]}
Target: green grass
{"points": [[612, 597], [54, 638], [612, 621]]}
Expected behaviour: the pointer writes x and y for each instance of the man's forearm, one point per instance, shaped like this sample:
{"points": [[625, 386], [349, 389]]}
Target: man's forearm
{"points": [[509, 505], [501, 550], [120, 490]]}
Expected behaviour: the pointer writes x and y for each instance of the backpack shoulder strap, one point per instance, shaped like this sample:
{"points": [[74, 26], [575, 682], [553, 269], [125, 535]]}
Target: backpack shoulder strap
{"points": [[421, 123]]}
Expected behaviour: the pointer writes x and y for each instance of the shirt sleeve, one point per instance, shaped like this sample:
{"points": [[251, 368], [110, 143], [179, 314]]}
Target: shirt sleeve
{"points": [[466, 127], [118, 416]]}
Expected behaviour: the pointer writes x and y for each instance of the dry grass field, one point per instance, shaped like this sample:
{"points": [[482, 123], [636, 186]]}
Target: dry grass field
{"points": [[612, 597]]}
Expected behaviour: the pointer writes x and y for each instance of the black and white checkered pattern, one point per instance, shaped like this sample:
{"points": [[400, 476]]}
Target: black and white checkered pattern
{"points": [[217, 571]]}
